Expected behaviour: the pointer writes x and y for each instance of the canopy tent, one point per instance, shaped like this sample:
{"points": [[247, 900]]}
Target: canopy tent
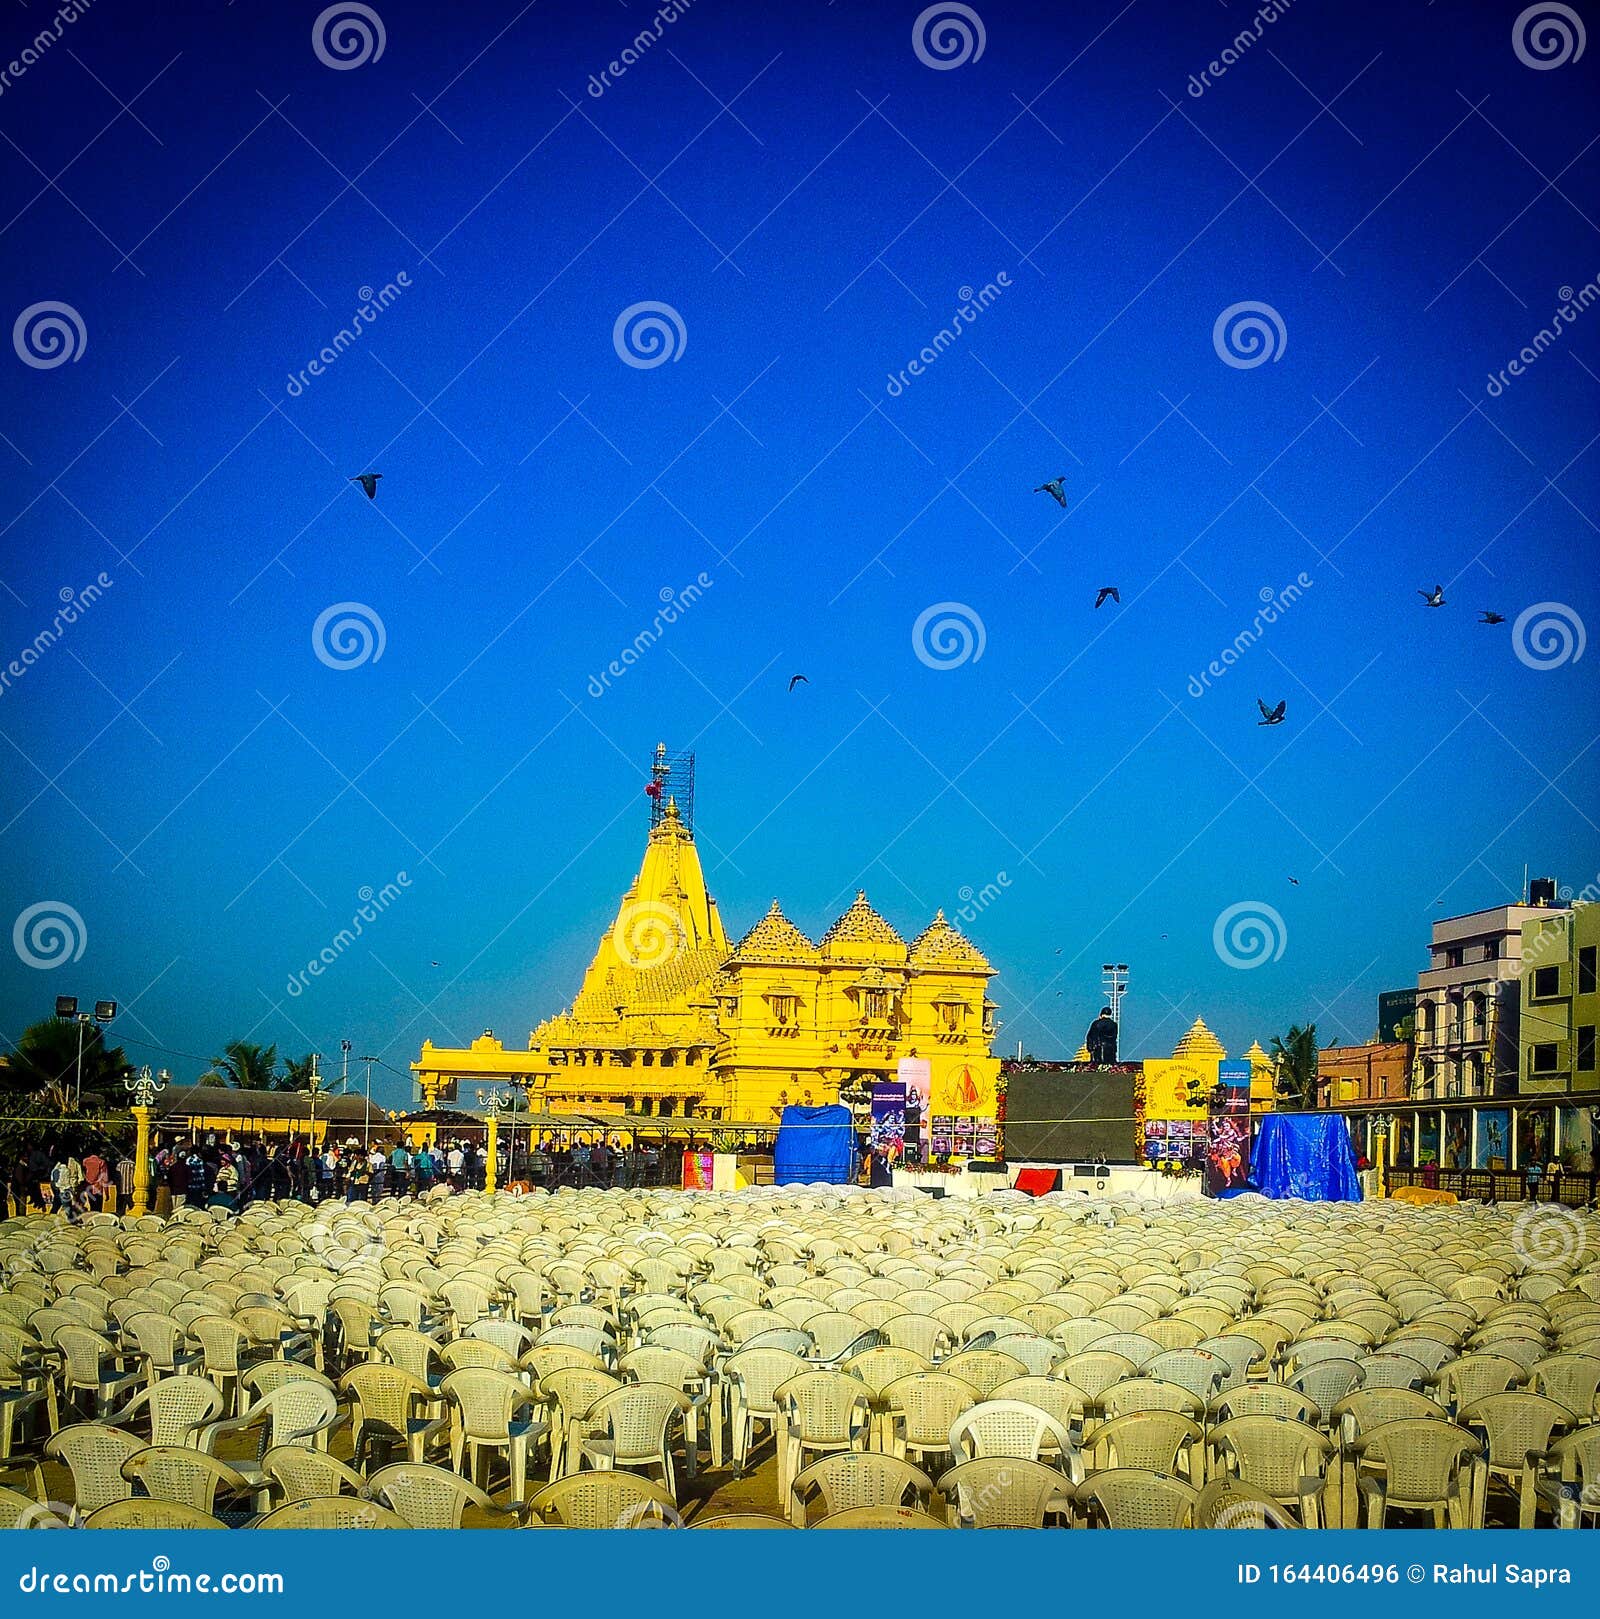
{"points": [[815, 1144], [1305, 1155]]}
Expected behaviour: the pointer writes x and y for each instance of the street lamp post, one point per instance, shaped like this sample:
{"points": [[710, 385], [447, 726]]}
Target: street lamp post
{"points": [[104, 1012], [143, 1087]]}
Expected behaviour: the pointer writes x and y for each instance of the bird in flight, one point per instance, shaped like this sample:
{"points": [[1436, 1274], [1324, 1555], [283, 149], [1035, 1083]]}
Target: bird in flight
{"points": [[369, 482], [1295, 881], [1492, 618], [433, 963], [1271, 716], [1105, 594], [1433, 599], [1054, 487], [796, 680]]}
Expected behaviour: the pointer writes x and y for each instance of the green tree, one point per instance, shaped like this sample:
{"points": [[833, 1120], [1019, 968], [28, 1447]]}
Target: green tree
{"points": [[297, 1073], [248, 1067], [45, 1063], [1294, 1066]]}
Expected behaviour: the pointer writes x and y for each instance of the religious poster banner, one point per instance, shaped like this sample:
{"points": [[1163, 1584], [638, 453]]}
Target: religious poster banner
{"points": [[1233, 1079], [699, 1169], [1228, 1157], [1175, 1088], [1494, 1139], [916, 1074], [1427, 1139], [887, 1134]]}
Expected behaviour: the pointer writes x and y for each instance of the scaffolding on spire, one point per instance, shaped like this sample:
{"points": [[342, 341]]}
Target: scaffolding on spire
{"points": [[671, 782]]}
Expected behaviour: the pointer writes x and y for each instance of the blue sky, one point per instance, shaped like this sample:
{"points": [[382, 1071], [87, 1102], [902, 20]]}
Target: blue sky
{"points": [[809, 198]]}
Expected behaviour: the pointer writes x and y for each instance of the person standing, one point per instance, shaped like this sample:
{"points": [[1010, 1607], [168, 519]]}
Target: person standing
{"points": [[400, 1166]]}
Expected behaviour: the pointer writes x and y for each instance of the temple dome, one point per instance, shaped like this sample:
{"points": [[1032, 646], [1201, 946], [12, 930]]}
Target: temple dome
{"points": [[774, 938], [861, 932], [1199, 1044], [945, 944], [1082, 1055]]}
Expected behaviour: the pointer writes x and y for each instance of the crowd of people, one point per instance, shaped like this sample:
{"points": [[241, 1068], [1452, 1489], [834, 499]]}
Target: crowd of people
{"points": [[221, 1172]]}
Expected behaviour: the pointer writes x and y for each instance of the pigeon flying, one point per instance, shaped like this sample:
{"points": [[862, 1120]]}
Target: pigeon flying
{"points": [[1492, 618], [1107, 593], [1271, 716], [1295, 881], [1436, 599], [369, 482], [1055, 487], [796, 680]]}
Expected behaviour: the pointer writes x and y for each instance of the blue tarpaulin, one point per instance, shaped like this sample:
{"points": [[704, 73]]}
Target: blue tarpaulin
{"points": [[815, 1144], [1304, 1155]]}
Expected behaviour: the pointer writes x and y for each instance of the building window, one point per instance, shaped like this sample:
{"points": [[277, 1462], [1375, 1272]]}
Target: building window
{"points": [[1586, 1047], [1586, 970], [1491, 949], [1546, 983], [783, 1007], [1453, 956], [1544, 1058]]}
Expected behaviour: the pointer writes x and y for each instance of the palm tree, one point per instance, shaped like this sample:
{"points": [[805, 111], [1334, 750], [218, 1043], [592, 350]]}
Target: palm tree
{"points": [[45, 1061], [1294, 1066], [248, 1067], [297, 1073]]}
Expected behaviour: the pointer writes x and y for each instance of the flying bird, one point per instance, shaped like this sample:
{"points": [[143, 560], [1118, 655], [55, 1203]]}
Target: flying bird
{"points": [[369, 482], [1295, 881], [1492, 618], [797, 680], [1435, 599], [1271, 716], [1107, 593], [433, 963], [1056, 488]]}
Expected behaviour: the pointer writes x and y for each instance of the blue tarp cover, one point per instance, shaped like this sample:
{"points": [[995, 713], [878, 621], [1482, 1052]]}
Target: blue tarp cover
{"points": [[1304, 1155], [815, 1144]]}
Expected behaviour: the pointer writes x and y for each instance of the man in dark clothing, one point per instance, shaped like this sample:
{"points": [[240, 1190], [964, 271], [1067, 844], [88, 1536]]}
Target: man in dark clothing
{"points": [[41, 1160], [1102, 1038], [600, 1162]]}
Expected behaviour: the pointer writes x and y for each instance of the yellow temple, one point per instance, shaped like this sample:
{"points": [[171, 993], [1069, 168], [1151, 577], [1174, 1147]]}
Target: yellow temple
{"points": [[672, 1019]]}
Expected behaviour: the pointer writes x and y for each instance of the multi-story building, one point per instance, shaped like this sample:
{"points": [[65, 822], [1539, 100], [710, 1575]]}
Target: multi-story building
{"points": [[672, 1019], [1469, 1001], [1560, 1001], [1375, 1071]]}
